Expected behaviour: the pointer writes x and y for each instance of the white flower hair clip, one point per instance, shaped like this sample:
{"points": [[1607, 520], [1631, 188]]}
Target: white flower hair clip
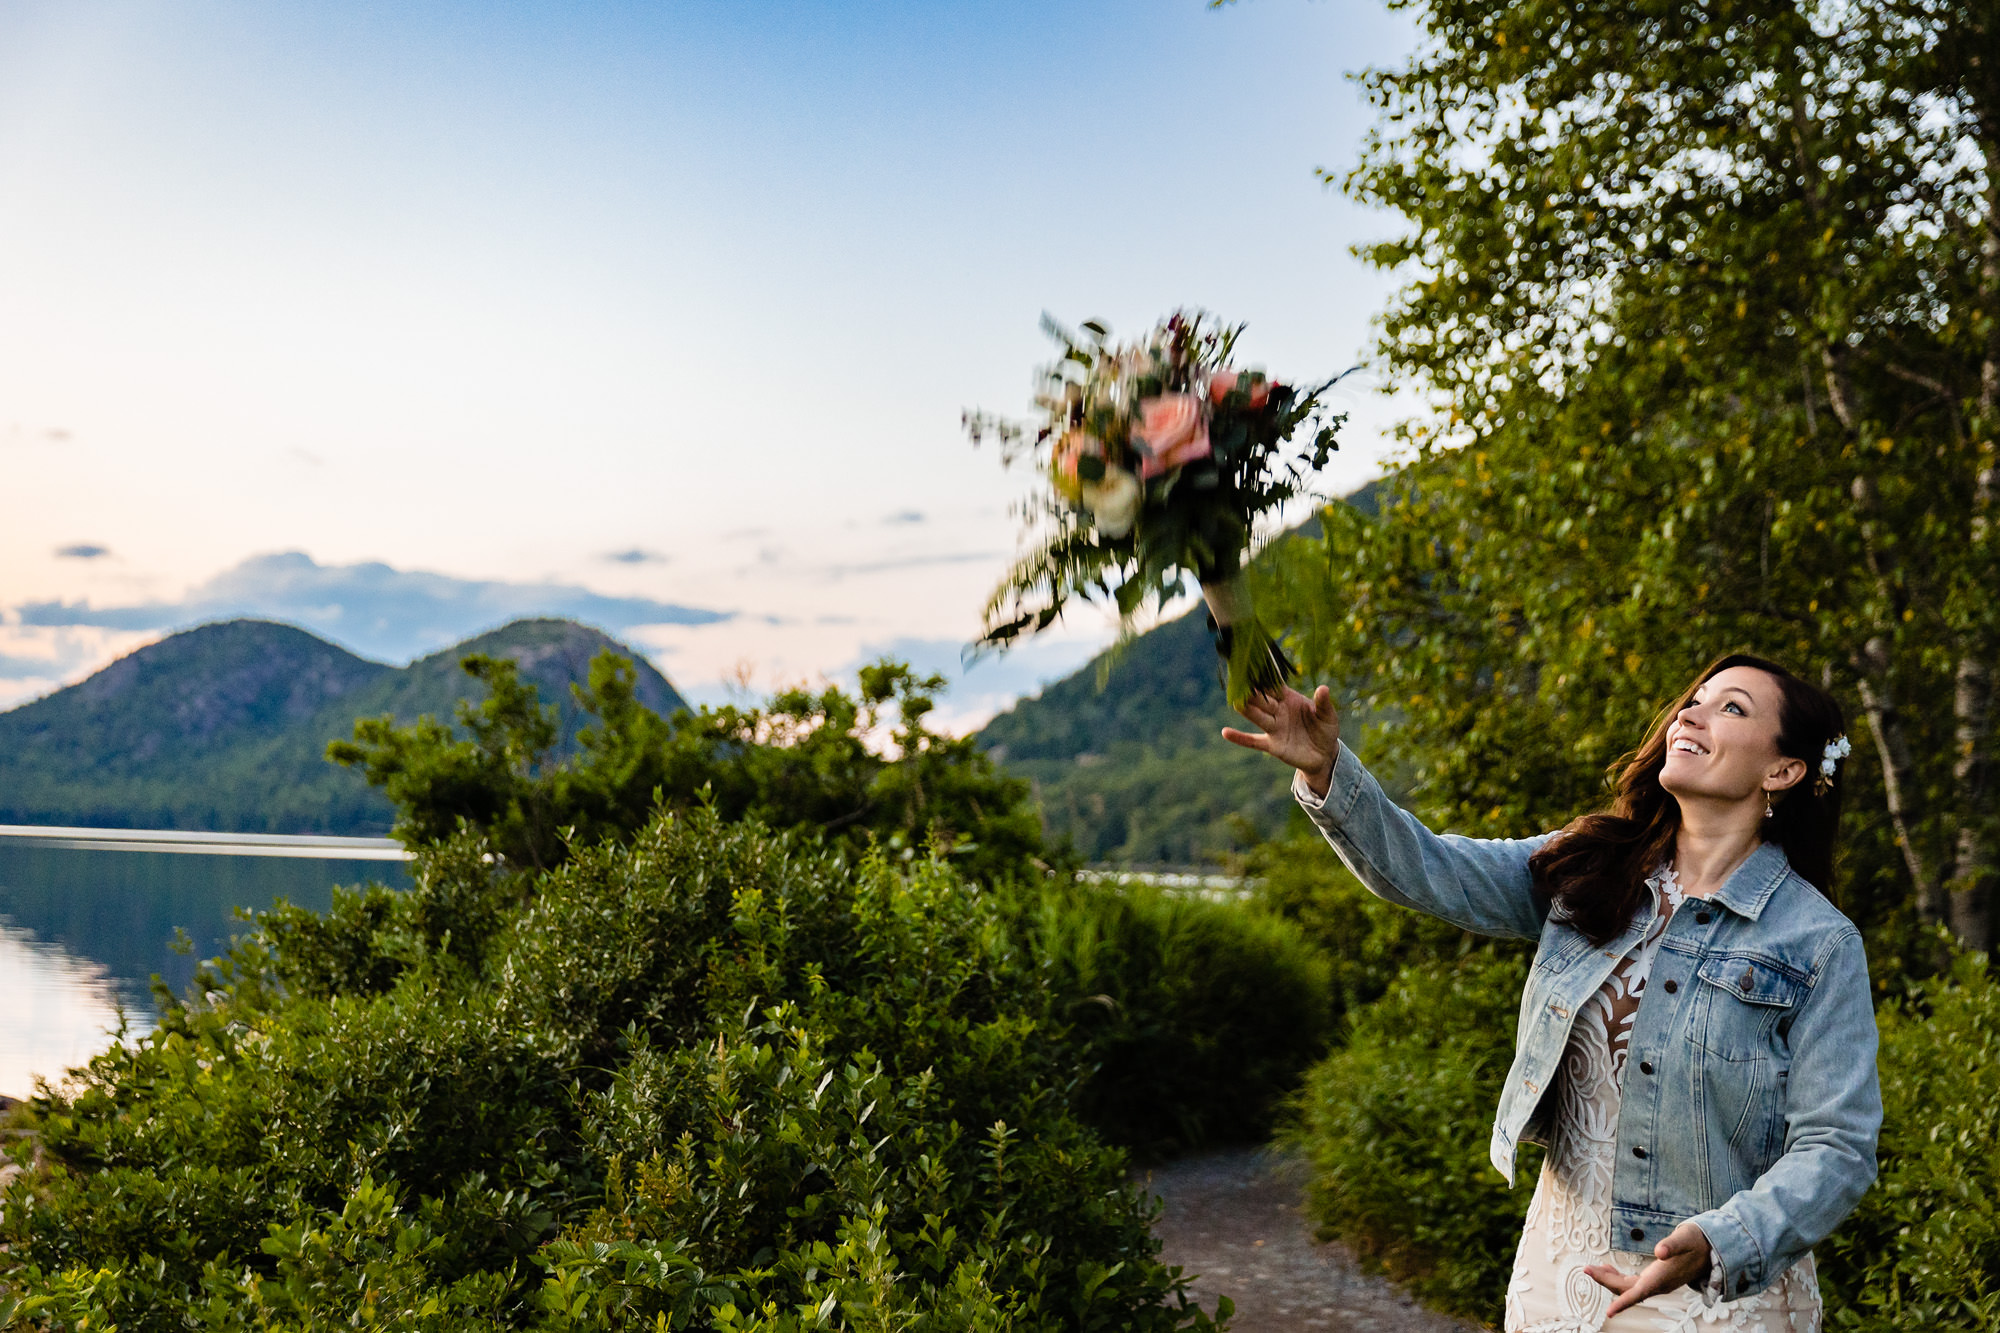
{"points": [[1836, 750]]}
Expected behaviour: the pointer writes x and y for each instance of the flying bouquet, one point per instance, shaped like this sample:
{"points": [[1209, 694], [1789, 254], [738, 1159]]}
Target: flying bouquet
{"points": [[1160, 458]]}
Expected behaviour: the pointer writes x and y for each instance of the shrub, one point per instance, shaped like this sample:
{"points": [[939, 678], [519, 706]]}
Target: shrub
{"points": [[1396, 1126], [1198, 1017], [1366, 941], [804, 761], [706, 1079], [1923, 1248]]}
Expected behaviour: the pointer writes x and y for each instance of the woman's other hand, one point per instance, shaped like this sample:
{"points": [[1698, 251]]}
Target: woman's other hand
{"points": [[1682, 1258], [1303, 732]]}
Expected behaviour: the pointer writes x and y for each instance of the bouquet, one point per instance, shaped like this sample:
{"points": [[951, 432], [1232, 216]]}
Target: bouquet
{"points": [[1160, 458]]}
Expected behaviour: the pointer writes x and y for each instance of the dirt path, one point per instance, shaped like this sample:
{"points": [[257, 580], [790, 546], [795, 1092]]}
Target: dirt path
{"points": [[1234, 1219]]}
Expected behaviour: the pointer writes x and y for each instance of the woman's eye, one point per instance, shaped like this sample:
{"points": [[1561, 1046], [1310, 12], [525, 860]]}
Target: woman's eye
{"points": [[1731, 707]]}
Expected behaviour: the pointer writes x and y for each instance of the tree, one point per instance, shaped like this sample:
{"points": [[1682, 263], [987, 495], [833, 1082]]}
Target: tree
{"points": [[1706, 297], [807, 761]]}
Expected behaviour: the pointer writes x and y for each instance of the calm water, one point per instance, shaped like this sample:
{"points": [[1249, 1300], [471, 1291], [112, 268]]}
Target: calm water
{"points": [[83, 932]]}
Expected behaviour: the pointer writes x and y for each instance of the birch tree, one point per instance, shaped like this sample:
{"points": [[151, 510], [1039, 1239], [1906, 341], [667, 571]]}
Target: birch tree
{"points": [[1704, 301]]}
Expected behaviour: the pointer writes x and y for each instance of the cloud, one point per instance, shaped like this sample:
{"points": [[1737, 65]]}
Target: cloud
{"points": [[83, 551], [372, 608], [635, 555], [903, 516], [13, 667], [834, 573], [983, 685]]}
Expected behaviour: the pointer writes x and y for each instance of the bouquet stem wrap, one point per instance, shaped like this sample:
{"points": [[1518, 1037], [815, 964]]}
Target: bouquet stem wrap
{"points": [[1252, 660]]}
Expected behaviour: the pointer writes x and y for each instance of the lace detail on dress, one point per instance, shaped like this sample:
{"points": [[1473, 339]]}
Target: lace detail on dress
{"points": [[1569, 1219]]}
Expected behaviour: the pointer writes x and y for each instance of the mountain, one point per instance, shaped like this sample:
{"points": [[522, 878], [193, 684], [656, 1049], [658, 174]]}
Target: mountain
{"points": [[224, 727]]}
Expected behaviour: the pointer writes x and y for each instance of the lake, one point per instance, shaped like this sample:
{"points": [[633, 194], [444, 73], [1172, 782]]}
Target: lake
{"points": [[82, 932]]}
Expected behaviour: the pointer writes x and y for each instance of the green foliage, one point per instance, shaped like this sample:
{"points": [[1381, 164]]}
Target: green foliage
{"points": [[711, 1077], [806, 761], [1367, 942], [1923, 1249], [1697, 294], [1199, 1017], [1396, 1122]]}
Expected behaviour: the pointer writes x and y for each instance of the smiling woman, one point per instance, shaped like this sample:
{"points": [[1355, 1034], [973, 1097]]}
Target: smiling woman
{"points": [[1697, 1043], [1740, 739]]}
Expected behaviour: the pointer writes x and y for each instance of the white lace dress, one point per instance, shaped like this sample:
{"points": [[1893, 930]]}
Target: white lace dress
{"points": [[1569, 1220]]}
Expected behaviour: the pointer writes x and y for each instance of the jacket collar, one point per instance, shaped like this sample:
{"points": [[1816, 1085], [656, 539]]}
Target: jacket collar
{"points": [[1750, 887]]}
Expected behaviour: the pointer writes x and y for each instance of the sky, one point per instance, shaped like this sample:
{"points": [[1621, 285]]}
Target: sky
{"points": [[398, 321]]}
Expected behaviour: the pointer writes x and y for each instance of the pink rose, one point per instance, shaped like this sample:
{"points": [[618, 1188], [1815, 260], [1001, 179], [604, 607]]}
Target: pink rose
{"points": [[1223, 382], [1172, 431]]}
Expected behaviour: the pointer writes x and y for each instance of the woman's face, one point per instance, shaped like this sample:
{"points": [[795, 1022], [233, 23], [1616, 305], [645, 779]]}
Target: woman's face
{"points": [[1724, 745]]}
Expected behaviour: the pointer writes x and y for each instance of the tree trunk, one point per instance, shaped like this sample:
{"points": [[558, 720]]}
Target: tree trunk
{"points": [[1885, 717], [1973, 869], [1892, 749]]}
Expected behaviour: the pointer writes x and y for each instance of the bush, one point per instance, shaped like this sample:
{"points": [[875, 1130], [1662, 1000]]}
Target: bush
{"points": [[1199, 1017], [1396, 1126], [1366, 941], [708, 1079], [804, 761], [1923, 1248]]}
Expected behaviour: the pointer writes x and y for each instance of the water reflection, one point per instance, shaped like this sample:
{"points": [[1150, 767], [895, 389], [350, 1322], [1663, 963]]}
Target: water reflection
{"points": [[61, 1010], [86, 931]]}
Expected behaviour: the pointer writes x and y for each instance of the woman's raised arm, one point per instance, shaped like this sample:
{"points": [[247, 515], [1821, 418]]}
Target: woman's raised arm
{"points": [[1478, 884]]}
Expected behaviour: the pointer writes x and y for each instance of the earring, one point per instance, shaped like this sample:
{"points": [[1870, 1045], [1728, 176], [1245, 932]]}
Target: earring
{"points": [[1770, 807]]}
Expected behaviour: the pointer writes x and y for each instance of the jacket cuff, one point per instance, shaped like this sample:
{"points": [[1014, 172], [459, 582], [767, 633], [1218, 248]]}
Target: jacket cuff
{"points": [[1735, 1255], [1341, 792]]}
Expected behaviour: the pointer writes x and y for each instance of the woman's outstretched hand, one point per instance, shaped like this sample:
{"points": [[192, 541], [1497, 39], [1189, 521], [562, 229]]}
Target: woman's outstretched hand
{"points": [[1303, 732], [1678, 1260]]}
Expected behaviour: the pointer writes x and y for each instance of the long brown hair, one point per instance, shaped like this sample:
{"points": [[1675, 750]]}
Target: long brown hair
{"points": [[1595, 872]]}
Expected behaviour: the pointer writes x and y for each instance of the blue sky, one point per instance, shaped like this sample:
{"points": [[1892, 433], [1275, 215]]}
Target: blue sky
{"points": [[387, 318]]}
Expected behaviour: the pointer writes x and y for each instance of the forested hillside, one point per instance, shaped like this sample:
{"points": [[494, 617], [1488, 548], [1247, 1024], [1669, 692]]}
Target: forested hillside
{"points": [[225, 726]]}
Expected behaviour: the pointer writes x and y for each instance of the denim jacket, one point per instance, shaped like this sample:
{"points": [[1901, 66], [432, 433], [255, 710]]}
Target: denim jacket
{"points": [[1750, 1103]]}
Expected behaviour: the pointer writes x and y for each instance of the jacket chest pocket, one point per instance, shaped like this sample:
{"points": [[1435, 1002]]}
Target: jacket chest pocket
{"points": [[1558, 954], [1742, 1007]]}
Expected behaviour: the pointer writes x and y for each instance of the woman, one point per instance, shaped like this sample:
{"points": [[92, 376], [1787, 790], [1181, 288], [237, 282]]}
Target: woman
{"points": [[1696, 1043]]}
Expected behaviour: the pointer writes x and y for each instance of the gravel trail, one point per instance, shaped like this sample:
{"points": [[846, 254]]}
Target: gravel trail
{"points": [[1236, 1221]]}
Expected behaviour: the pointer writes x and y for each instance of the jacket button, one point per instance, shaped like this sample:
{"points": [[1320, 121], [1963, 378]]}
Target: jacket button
{"points": [[1645, 1066], [1743, 1283], [1671, 987], [1638, 1233], [1701, 918], [1747, 980], [1638, 1152]]}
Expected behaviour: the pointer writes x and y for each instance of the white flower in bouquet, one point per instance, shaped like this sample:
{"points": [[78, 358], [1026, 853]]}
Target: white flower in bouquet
{"points": [[1114, 502]]}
